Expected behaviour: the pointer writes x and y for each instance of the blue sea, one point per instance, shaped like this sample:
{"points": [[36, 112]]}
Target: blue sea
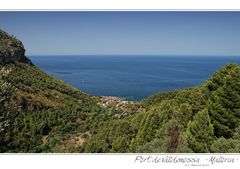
{"points": [[131, 77]]}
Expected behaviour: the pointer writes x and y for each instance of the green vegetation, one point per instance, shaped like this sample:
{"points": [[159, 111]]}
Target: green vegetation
{"points": [[202, 119], [42, 114], [39, 113]]}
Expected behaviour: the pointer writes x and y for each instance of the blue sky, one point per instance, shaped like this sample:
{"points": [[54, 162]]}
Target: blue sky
{"points": [[134, 33]]}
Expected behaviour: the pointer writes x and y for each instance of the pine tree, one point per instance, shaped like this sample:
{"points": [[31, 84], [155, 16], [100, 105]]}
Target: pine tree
{"points": [[224, 103], [199, 132], [231, 145]]}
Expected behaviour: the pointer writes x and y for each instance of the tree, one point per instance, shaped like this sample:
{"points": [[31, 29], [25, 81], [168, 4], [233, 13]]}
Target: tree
{"points": [[120, 144], [157, 145], [231, 145], [147, 131], [183, 145], [199, 132], [224, 102], [223, 145]]}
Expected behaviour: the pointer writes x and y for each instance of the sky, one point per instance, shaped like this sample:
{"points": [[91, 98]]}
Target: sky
{"points": [[125, 33]]}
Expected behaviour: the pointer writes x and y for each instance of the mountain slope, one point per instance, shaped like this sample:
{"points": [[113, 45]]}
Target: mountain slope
{"points": [[39, 113], [201, 119], [38, 91]]}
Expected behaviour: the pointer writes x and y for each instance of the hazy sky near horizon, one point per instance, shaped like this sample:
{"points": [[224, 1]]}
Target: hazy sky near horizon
{"points": [[146, 33]]}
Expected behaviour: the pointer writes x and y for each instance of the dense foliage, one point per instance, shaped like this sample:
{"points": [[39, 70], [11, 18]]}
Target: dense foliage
{"points": [[41, 114], [202, 119]]}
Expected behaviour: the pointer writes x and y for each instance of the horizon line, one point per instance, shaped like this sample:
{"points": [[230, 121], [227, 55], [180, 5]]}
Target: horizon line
{"points": [[204, 55]]}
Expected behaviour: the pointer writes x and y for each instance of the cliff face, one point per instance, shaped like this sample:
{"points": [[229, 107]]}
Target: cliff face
{"points": [[11, 49]]}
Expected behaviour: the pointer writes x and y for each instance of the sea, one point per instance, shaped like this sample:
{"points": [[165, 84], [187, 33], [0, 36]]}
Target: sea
{"points": [[130, 76]]}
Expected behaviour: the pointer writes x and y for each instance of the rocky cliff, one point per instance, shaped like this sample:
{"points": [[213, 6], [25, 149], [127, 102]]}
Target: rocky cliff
{"points": [[11, 49]]}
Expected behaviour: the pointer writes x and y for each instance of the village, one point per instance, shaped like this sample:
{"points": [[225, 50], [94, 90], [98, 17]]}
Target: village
{"points": [[120, 104]]}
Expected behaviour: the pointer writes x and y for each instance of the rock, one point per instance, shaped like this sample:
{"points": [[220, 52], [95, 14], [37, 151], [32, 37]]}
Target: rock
{"points": [[11, 49]]}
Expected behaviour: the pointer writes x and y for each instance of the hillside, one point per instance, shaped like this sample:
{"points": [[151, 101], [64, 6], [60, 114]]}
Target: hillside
{"points": [[202, 119], [39, 113]]}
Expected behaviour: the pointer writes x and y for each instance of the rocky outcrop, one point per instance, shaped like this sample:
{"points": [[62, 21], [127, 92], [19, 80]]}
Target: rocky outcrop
{"points": [[11, 49]]}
